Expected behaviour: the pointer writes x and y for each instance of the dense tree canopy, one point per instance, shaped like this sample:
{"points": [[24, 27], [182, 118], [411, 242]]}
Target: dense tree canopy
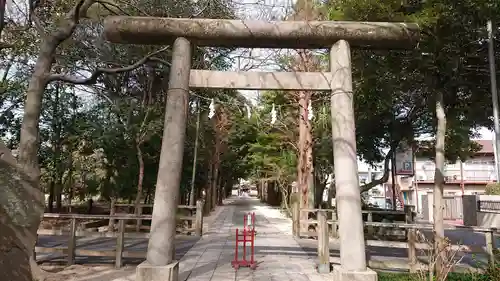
{"points": [[97, 138]]}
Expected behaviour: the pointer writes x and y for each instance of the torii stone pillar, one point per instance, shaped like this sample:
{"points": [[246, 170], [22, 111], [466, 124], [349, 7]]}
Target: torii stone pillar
{"points": [[352, 243], [339, 36]]}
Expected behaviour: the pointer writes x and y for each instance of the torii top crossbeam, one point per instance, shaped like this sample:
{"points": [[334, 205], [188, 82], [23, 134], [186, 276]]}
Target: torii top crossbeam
{"points": [[260, 34]]}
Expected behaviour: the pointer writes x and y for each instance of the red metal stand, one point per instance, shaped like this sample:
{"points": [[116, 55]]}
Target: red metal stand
{"points": [[248, 236]]}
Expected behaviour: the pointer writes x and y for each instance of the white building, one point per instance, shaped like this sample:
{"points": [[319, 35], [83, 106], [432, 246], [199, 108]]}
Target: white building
{"points": [[367, 174], [469, 177], [461, 178]]}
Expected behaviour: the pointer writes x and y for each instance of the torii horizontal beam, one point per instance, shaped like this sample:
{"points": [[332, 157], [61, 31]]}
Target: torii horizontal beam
{"points": [[260, 34], [256, 80]]}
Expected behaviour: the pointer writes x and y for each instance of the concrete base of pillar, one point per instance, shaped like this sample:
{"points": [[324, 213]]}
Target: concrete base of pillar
{"points": [[148, 272], [323, 268], [343, 275]]}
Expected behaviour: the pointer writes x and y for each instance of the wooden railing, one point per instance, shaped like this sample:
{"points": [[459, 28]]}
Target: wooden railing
{"points": [[191, 209], [412, 240], [406, 216], [75, 230]]}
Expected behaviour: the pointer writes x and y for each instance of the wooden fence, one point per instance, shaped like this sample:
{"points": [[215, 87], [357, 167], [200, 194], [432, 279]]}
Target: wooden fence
{"points": [[74, 231], [412, 242], [192, 210], [407, 216]]}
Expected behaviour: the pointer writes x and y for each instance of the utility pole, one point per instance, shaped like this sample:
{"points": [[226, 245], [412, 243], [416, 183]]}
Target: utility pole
{"points": [[494, 95], [195, 157]]}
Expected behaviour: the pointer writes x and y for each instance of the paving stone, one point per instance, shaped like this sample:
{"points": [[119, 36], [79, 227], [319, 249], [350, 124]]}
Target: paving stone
{"points": [[279, 256]]}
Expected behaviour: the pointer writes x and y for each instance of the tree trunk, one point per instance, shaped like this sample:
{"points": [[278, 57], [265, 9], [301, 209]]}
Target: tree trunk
{"points": [[439, 238], [222, 187], [90, 206], [215, 182], [309, 162], [21, 208], [2, 16], [59, 193], [29, 142], [208, 189], [215, 179], [192, 200], [199, 193], [70, 168], [50, 201], [305, 165], [331, 195], [319, 189], [259, 189], [227, 188], [140, 180], [69, 184], [112, 211], [56, 146], [147, 196]]}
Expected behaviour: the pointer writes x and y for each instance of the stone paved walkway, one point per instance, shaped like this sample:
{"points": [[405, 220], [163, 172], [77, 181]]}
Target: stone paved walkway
{"points": [[278, 255]]}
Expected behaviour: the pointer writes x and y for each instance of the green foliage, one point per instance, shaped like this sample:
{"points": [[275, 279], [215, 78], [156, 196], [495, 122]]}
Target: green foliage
{"points": [[394, 89], [493, 189], [493, 271], [97, 139], [452, 276], [451, 58]]}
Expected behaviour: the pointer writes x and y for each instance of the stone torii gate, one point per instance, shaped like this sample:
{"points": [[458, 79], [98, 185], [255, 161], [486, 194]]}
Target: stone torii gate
{"points": [[339, 37]]}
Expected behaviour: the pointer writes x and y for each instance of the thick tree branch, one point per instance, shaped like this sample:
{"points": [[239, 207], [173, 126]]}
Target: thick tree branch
{"points": [[385, 176], [72, 19], [99, 71], [38, 25]]}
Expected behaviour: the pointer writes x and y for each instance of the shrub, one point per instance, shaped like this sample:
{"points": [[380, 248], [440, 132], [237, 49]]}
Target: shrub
{"points": [[492, 189], [493, 271], [452, 276]]}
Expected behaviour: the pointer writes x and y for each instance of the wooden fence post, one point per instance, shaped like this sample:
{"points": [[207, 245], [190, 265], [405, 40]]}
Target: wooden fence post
{"points": [[490, 246], [412, 250], [296, 218], [72, 242], [334, 224], [409, 214], [199, 218], [323, 243], [120, 243], [369, 228]]}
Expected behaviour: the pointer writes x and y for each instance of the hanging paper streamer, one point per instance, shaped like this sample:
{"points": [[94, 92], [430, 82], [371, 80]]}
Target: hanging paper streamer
{"points": [[211, 109], [310, 114], [249, 114], [273, 115]]}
